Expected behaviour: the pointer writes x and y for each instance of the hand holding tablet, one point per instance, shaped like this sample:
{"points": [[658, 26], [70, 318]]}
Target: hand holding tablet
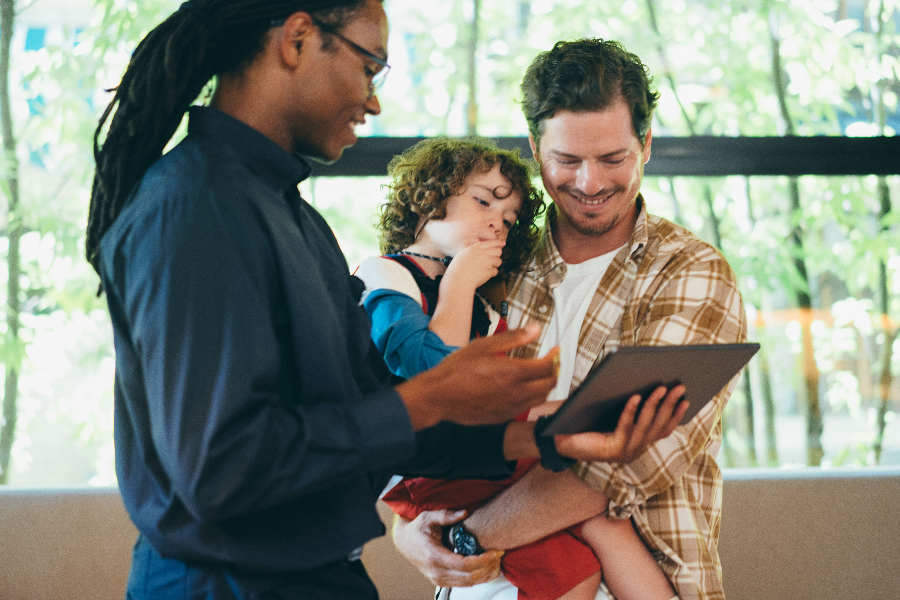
{"points": [[599, 401]]}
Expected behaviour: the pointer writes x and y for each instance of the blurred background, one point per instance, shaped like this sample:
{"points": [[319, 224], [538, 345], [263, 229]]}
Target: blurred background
{"points": [[816, 255]]}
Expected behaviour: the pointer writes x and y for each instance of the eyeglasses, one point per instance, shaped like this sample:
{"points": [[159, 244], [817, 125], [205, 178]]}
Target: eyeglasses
{"points": [[376, 79]]}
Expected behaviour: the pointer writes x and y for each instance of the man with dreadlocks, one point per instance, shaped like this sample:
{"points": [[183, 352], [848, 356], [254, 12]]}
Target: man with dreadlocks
{"points": [[254, 423]]}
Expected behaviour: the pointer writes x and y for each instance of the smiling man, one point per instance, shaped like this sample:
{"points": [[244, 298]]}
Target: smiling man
{"points": [[606, 275], [592, 164]]}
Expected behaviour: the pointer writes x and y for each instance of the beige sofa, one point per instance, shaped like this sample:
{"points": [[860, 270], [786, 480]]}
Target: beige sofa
{"points": [[785, 534]]}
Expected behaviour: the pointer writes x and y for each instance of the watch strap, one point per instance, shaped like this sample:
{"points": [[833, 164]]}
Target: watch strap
{"points": [[551, 459]]}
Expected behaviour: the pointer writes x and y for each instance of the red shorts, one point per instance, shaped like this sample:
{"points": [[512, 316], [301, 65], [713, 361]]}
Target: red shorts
{"points": [[542, 570]]}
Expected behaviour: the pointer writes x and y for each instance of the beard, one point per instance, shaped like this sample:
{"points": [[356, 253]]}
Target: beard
{"points": [[587, 227], [592, 229]]}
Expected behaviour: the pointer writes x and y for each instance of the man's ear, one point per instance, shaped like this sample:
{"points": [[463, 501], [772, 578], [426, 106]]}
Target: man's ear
{"points": [[533, 146], [647, 139], [297, 30]]}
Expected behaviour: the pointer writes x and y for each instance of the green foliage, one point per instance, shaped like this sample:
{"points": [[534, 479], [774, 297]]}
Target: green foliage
{"points": [[63, 86], [711, 59]]}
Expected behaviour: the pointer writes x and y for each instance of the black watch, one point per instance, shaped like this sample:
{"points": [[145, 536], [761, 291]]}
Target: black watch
{"points": [[550, 458], [462, 541]]}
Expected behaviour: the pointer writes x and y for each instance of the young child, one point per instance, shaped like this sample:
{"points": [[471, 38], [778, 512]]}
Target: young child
{"points": [[460, 215]]}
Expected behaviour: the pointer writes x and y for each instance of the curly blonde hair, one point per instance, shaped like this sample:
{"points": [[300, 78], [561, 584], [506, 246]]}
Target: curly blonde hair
{"points": [[426, 175]]}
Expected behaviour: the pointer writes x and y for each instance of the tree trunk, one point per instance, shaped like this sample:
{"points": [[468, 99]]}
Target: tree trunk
{"points": [[751, 422], [666, 65], [886, 377], [714, 226], [14, 230], [769, 410], [765, 376], [729, 456], [814, 424], [472, 105], [884, 390]]}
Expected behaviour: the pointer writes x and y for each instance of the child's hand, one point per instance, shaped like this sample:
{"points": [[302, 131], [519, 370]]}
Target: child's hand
{"points": [[477, 263]]}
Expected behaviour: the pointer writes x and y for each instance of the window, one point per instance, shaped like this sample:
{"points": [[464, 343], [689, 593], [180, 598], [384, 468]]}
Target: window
{"points": [[809, 223]]}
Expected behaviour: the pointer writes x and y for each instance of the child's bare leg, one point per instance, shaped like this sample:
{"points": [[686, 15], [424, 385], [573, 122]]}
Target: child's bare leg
{"points": [[629, 569], [586, 590]]}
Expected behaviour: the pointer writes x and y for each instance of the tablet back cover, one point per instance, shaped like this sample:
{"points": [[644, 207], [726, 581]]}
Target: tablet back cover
{"points": [[598, 402]]}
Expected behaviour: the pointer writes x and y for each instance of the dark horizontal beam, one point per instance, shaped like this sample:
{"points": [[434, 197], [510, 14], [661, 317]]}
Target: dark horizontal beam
{"points": [[702, 156], [717, 156]]}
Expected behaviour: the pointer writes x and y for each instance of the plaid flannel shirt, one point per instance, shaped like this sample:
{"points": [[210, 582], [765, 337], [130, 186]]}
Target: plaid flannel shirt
{"points": [[664, 287]]}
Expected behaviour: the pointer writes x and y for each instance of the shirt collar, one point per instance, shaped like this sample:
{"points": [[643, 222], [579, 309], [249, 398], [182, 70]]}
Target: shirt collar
{"points": [[641, 235], [547, 258], [257, 152]]}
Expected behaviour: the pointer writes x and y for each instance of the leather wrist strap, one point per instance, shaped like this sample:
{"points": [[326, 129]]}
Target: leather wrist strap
{"points": [[550, 458]]}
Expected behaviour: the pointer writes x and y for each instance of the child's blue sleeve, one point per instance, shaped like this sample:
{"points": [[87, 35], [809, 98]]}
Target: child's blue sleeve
{"points": [[400, 331]]}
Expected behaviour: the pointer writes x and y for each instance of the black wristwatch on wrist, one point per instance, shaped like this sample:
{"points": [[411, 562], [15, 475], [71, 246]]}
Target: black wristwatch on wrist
{"points": [[461, 540], [550, 458]]}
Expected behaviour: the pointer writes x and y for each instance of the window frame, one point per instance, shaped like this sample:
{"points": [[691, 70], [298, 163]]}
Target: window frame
{"points": [[703, 156]]}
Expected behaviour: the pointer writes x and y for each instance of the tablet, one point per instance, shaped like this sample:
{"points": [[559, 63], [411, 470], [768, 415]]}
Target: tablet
{"points": [[599, 401]]}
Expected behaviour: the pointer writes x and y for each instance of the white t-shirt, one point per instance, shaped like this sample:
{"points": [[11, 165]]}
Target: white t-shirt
{"points": [[571, 301]]}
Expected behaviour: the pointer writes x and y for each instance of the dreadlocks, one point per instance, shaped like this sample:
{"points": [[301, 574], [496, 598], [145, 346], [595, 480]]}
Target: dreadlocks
{"points": [[167, 72]]}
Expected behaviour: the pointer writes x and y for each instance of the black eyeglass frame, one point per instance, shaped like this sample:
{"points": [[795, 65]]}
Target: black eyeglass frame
{"points": [[378, 78]]}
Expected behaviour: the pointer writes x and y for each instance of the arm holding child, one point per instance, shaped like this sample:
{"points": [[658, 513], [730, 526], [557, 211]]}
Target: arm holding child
{"points": [[693, 299]]}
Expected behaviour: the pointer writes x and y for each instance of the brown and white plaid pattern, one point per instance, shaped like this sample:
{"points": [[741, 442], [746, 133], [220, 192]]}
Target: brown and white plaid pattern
{"points": [[665, 287]]}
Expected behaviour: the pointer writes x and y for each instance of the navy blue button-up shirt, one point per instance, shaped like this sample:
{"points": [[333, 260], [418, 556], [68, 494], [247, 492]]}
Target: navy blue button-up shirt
{"points": [[253, 424]]}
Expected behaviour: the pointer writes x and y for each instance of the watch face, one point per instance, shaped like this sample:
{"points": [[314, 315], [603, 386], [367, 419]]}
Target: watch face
{"points": [[465, 543]]}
